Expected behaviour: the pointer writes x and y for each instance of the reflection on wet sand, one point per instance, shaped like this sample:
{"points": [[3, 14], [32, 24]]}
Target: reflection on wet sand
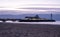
{"points": [[29, 30]]}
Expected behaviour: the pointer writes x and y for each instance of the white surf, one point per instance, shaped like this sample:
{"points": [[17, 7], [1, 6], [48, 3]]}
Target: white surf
{"points": [[52, 23]]}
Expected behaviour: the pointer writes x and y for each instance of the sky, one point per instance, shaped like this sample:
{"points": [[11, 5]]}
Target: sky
{"points": [[29, 3], [21, 4]]}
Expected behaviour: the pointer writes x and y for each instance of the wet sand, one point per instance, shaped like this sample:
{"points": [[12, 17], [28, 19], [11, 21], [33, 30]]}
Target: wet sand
{"points": [[29, 30]]}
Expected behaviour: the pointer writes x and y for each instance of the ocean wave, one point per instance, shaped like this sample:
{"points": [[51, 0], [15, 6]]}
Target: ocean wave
{"points": [[54, 23]]}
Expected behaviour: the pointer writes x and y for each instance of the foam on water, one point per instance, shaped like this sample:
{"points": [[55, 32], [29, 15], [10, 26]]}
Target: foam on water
{"points": [[53, 23]]}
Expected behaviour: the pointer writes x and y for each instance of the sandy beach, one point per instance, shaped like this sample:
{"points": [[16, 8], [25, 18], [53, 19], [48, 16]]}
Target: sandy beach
{"points": [[29, 30]]}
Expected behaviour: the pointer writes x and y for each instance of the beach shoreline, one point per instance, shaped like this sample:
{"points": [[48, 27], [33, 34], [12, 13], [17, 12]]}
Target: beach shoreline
{"points": [[28, 30]]}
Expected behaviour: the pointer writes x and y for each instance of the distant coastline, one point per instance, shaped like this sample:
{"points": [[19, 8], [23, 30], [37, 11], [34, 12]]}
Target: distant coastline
{"points": [[21, 16]]}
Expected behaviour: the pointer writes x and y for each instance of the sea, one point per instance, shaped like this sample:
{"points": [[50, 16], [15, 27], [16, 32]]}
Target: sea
{"points": [[49, 23], [48, 16]]}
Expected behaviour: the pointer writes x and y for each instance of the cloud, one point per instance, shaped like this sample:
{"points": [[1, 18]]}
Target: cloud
{"points": [[31, 11], [26, 3]]}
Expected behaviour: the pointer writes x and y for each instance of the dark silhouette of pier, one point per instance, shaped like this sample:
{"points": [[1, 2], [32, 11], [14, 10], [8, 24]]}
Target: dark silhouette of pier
{"points": [[29, 19], [4, 20]]}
